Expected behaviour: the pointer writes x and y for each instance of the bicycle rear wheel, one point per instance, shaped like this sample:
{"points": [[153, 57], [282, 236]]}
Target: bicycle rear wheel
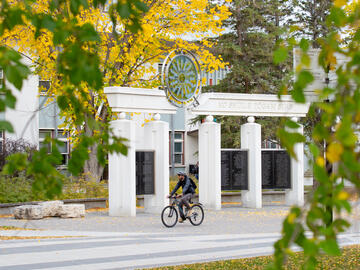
{"points": [[197, 215], [169, 216]]}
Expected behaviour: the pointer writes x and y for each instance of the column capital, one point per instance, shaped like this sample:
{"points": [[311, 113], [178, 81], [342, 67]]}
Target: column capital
{"points": [[157, 117], [122, 115], [251, 119], [209, 118]]}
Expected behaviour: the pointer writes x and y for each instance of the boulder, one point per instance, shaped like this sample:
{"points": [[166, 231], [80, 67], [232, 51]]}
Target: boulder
{"points": [[72, 210], [51, 208], [28, 212]]}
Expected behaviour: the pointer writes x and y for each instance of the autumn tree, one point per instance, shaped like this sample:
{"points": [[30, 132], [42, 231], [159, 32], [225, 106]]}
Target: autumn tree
{"points": [[125, 57]]}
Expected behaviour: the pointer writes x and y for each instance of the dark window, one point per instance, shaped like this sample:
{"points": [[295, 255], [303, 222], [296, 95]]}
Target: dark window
{"points": [[44, 86]]}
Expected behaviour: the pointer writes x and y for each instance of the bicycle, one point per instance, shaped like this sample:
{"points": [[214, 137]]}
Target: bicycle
{"points": [[169, 215]]}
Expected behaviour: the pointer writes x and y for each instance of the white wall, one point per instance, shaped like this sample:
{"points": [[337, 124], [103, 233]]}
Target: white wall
{"points": [[191, 150], [25, 116]]}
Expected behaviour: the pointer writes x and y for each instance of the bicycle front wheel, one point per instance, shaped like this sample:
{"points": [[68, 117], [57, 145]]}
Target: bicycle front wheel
{"points": [[169, 216], [197, 215]]}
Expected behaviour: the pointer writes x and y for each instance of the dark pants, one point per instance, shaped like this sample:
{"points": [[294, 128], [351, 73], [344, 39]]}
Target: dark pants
{"points": [[184, 201]]}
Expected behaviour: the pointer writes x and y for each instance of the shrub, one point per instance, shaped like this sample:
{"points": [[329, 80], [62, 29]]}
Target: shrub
{"points": [[15, 146], [79, 188], [17, 189]]}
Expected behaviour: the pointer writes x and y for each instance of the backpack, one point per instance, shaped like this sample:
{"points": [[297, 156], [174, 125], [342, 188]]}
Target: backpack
{"points": [[193, 184]]}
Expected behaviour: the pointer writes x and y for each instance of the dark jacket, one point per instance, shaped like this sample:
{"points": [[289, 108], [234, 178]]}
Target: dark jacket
{"points": [[186, 186]]}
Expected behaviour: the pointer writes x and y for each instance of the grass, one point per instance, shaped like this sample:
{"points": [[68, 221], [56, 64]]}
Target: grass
{"points": [[350, 259]]}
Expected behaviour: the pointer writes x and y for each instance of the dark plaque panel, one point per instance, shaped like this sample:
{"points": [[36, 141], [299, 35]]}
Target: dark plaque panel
{"points": [[239, 170], [276, 166], [267, 169], [234, 170], [282, 166], [144, 173]]}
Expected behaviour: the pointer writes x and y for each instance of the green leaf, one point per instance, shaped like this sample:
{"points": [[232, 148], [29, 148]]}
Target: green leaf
{"points": [[330, 246], [314, 149], [141, 6], [304, 78], [88, 33], [291, 124], [124, 10], [304, 44], [337, 16], [10, 100], [280, 55], [6, 125], [63, 102], [298, 94]]}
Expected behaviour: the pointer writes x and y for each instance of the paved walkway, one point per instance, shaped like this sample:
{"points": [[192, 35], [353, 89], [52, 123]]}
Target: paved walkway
{"points": [[228, 220], [102, 242]]}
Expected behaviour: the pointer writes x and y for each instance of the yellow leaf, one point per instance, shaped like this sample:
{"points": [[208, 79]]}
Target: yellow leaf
{"points": [[340, 3], [291, 218], [343, 195], [334, 152], [320, 161]]}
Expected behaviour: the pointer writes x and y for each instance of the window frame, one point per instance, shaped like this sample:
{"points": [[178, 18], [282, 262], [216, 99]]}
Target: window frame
{"points": [[61, 139], [172, 147]]}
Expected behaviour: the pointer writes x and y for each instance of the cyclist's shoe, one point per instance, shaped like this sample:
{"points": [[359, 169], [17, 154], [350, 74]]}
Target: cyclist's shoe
{"points": [[189, 213], [181, 220]]}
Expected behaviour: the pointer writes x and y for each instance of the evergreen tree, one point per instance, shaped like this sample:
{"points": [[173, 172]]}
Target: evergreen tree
{"points": [[254, 28], [311, 16]]}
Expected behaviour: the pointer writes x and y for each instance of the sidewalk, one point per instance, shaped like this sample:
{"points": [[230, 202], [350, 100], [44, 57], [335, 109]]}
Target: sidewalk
{"points": [[228, 220], [102, 242]]}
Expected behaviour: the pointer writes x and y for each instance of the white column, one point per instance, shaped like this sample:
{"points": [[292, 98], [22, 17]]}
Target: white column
{"points": [[210, 164], [296, 194], [122, 180], [251, 140], [157, 138]]}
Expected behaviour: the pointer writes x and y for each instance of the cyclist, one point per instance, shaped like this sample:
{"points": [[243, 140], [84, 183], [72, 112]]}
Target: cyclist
{"points": [[187, 193]]}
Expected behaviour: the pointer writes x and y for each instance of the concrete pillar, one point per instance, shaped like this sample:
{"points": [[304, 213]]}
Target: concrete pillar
{"points": [[122, 178], [296, 194], [251, 140], [157, 138], [210, 164]]}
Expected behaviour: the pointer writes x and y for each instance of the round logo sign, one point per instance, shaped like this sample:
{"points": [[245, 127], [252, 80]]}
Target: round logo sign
{"points": [[181, 78]]}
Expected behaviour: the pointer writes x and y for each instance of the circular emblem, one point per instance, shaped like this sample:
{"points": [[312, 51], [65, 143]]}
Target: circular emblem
{"points": [[181, 78]]}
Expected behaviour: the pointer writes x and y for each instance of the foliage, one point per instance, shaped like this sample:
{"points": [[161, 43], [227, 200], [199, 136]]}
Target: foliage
{"points": [[349, 259], [80, 49], [80, 188], [338, 128], [19, 189], [11, 146]]}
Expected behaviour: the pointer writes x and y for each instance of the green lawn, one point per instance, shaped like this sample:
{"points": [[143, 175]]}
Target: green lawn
{"points": [[350, 259]]}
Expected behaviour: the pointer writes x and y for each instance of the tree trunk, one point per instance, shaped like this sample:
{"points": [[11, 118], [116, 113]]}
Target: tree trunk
{"points": [[93, 171]]}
